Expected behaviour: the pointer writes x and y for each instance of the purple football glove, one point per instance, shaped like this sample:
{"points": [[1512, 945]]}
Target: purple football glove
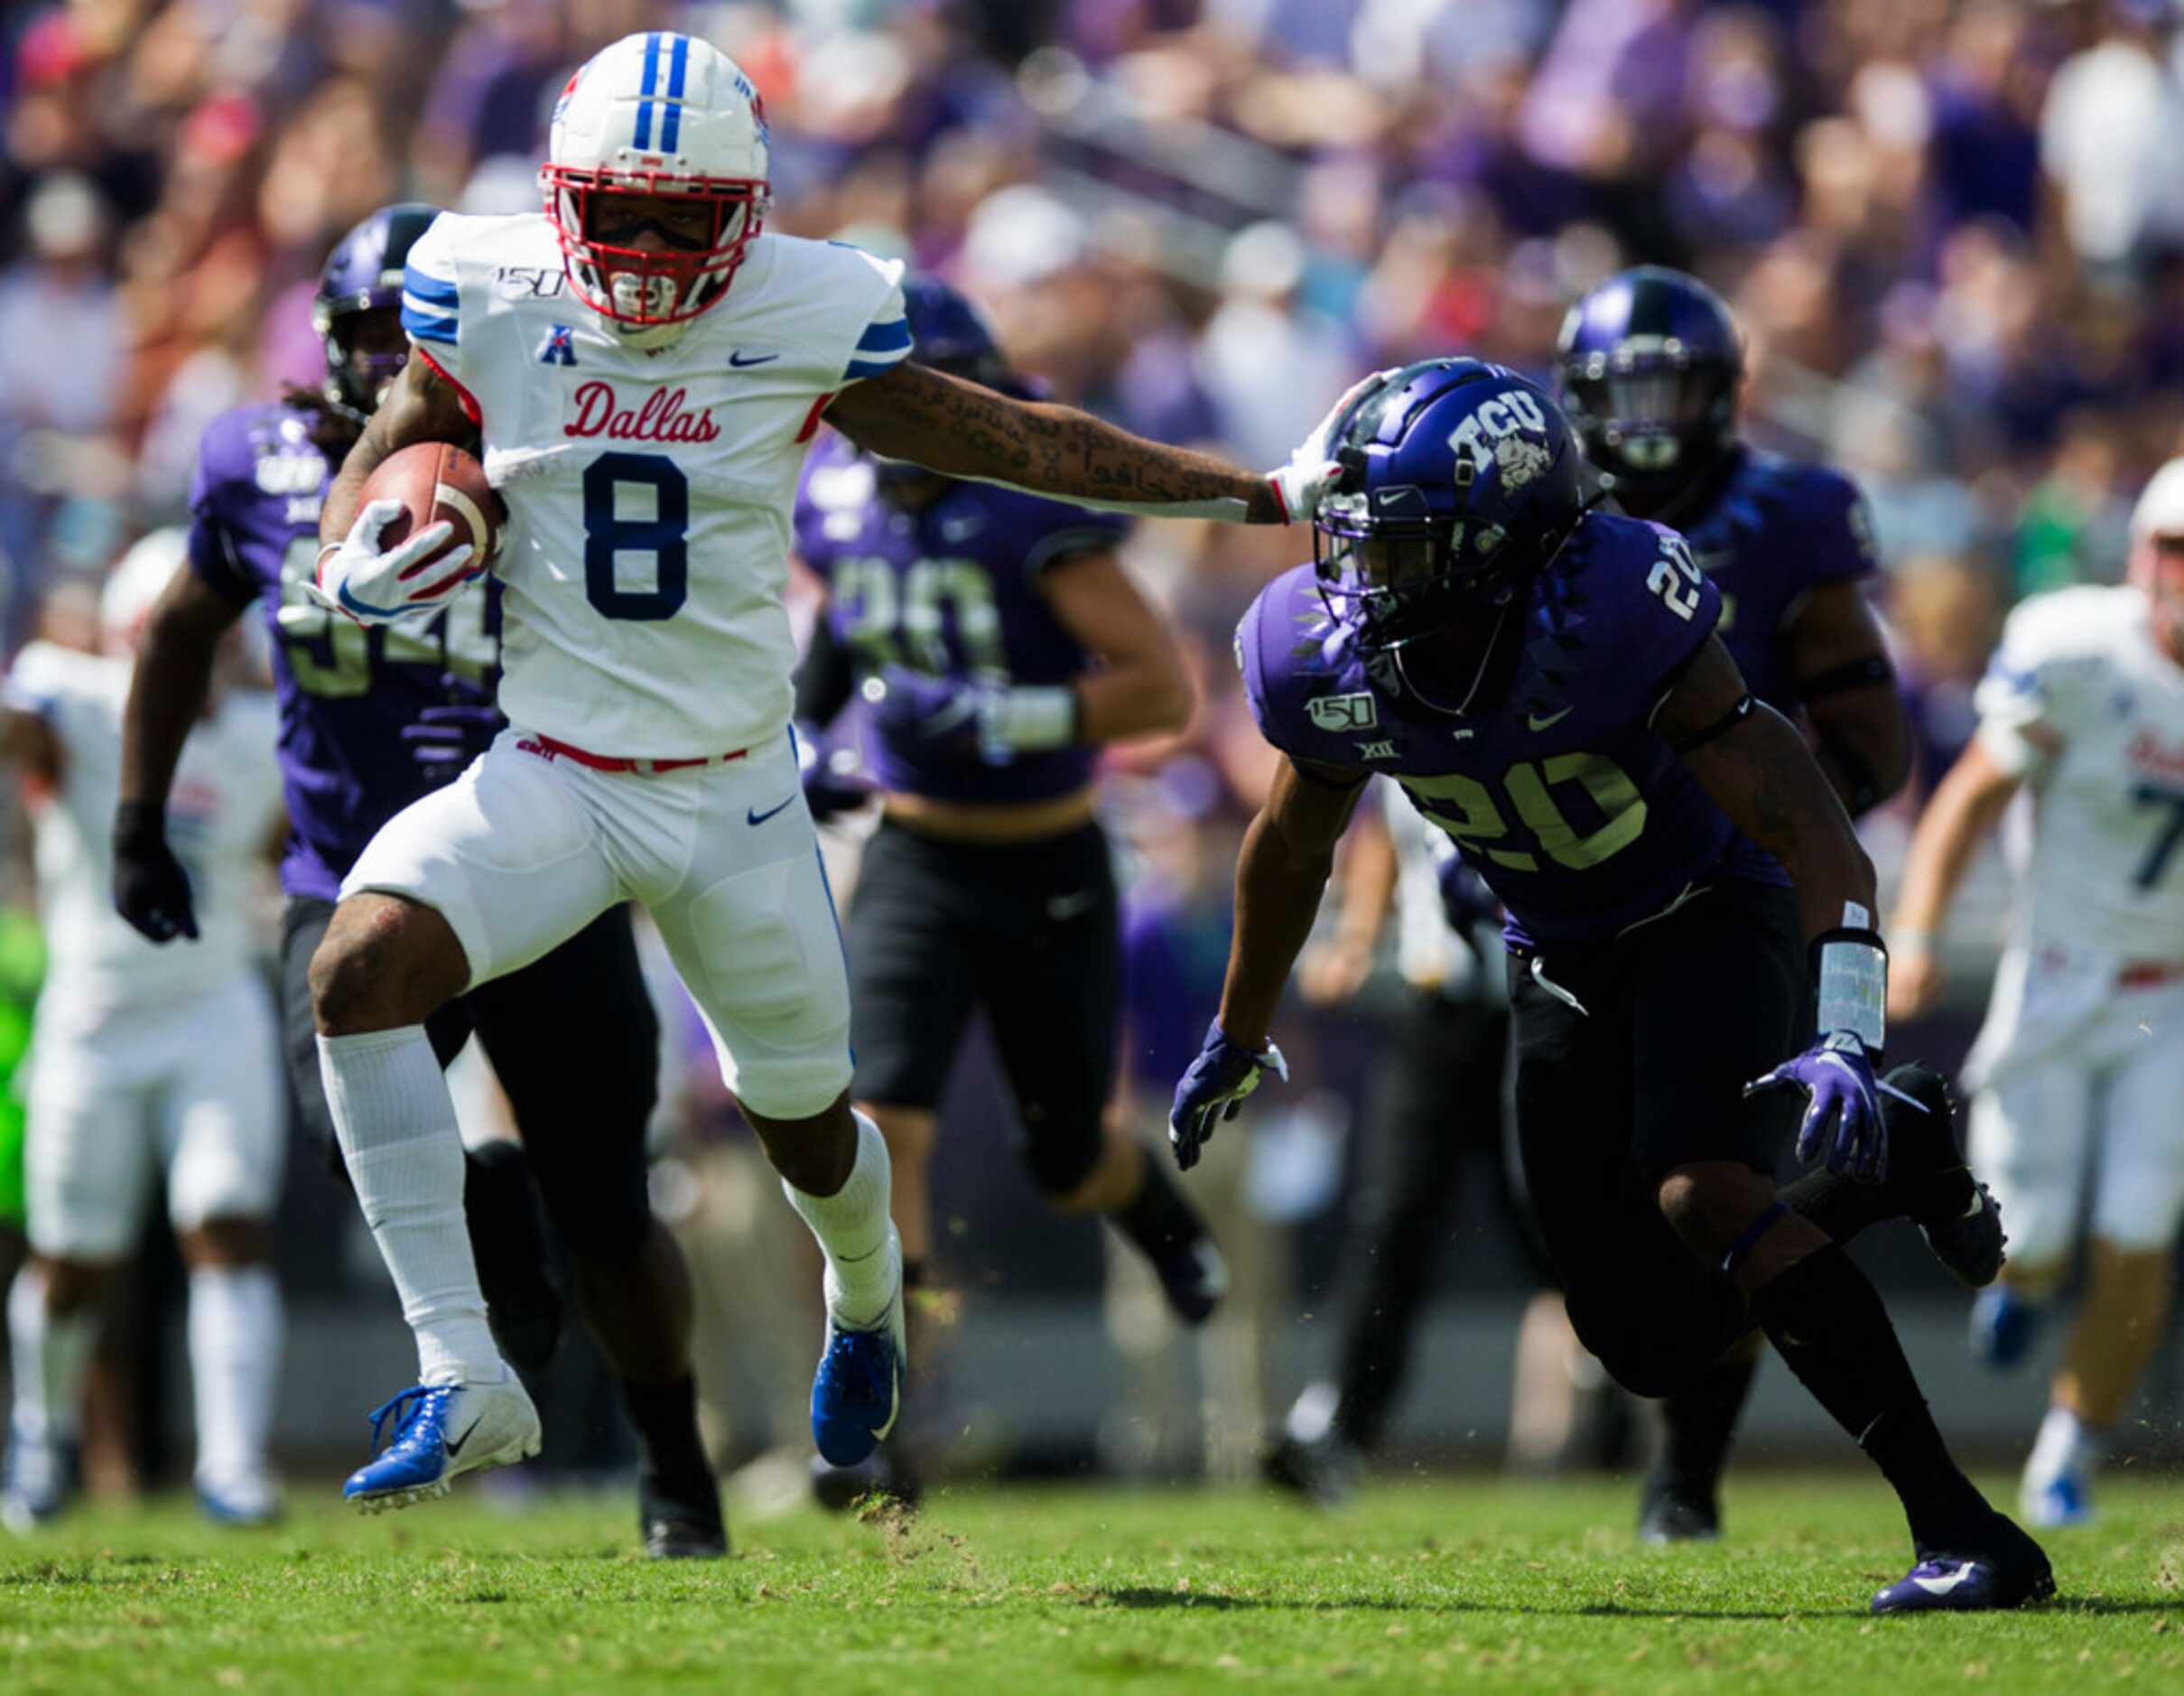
{"points": [[1844, 1105], [1214, 1090], [832, 782], [947, 715], [447, 737]]}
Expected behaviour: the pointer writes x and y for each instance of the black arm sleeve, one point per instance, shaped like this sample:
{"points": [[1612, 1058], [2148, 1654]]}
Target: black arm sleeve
{"points": [[826, 676]]}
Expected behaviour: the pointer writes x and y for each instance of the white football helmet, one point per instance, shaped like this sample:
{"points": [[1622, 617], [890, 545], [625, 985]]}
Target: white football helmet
{"points": [[655, 115]]}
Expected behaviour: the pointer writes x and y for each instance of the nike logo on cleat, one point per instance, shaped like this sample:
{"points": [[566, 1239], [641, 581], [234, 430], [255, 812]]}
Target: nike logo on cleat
{"points": [[741, 363], [1943, 1586], [453, 1445], [757, 817], [1534, 722]]}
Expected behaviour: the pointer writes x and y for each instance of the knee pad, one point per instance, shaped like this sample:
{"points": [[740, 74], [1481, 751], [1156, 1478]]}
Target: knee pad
{"points": [[1061, 1150]]}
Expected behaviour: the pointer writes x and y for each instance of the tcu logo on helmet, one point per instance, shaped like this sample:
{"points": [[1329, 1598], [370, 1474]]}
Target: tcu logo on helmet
{"points": [[1492, 434]]}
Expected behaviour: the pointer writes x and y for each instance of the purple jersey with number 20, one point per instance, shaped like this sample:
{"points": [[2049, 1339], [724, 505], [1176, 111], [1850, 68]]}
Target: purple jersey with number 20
{"points": [[951, 590], [346, 692], [1578, 815]]}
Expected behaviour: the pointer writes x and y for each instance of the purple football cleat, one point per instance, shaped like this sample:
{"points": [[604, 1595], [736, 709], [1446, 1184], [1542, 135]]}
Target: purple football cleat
{"points": [[2007, 1571]]}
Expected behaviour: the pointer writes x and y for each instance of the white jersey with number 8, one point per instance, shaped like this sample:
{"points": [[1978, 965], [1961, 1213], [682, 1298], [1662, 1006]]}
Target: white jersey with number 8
{"points": [[649, 493]]}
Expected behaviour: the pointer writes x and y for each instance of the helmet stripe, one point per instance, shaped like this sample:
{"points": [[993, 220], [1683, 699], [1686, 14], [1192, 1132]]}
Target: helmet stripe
{"points": [[652, 76], [670, 120]]}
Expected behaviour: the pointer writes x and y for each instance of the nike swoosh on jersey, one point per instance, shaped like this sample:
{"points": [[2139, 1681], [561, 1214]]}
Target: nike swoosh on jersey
{"points": [[741, 363], [1942, 1587], [1534, 722], [453, 1445], [757, 817], [1070, 906]]}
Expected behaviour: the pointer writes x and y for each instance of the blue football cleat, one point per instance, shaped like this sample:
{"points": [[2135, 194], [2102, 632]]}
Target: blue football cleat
{"points": [[441, 1433], [244, 1503], [857, 1391], [2008, 1570], [2003, 1325], [2066, 1499], [39, 1481]]}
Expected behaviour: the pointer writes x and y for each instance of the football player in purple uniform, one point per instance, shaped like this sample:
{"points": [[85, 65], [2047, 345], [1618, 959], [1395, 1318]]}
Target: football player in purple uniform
{"points": [[1650, 365], [1545, 682], [998, 644], [370, 720]]}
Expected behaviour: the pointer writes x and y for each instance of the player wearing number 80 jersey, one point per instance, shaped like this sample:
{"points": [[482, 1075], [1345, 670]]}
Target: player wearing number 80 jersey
{"points": [[2079, 1069]]}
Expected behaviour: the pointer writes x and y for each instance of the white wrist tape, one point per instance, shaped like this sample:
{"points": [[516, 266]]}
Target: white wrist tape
{"points": [[1852, 970], [1029, 720]]}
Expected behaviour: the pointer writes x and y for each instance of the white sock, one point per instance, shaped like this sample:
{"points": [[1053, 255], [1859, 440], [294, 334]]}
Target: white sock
{"points": [[49, 1358], [852, 1228], [235, 1368], [2065, 1442], [396, 1123]]}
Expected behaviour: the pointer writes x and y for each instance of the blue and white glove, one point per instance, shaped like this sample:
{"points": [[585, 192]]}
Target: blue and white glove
{"points": [[1843, 1111], [1214, 1090], [377, 587]]}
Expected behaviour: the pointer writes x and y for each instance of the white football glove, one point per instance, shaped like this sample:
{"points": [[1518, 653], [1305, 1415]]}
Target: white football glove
{"points": [[1312, 470], [376, 587]]}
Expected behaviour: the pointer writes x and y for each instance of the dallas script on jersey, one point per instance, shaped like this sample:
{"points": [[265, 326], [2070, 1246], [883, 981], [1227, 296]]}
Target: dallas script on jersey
{"points": [[660, 417]]}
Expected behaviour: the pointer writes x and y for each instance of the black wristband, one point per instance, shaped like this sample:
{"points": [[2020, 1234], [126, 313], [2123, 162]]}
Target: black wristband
{"points": [[1722, 726], [140, 823]]}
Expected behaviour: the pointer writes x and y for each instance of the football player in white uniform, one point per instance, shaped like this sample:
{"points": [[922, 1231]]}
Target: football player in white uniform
{"points": [[145, 1061], [2079, 1070], [643, 368]]}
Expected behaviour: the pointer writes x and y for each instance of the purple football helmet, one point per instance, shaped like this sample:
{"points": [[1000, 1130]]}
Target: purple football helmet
{"points": [[364, 274], [1649, 367], [1460, 483]]}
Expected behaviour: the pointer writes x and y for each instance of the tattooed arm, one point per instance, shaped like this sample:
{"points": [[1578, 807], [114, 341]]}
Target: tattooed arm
{"points": [[420, 406], [960, 429], [1759, 772]]}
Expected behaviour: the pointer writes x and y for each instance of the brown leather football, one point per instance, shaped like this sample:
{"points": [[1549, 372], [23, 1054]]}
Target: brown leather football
{"points": [[436, 481]]}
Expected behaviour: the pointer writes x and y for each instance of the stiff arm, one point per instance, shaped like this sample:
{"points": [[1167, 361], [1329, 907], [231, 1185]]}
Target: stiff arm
{"points": [[962, 429]]}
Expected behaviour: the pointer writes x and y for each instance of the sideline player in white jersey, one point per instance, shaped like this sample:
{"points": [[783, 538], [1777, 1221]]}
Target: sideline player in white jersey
{"points": [[145, 1061], [643, 368], [2079, 1070]]}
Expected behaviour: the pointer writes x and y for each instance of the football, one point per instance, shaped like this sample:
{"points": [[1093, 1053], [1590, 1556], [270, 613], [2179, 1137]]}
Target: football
{"points": [[435, 480]]}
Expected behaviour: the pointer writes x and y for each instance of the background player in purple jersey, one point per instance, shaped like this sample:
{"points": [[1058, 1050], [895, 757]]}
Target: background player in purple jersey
{"points": [[370, 720], [1545, 683], [999, 643], [1650, 365]]}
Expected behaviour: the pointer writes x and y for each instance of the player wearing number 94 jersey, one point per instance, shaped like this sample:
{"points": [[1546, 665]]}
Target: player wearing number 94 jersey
{"points": [[2078, 1074], [643, 365], [1544, 683]]}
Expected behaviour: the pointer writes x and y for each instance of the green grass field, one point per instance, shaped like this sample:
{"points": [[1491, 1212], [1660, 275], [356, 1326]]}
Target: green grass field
{"points": [[1477, 1584]]}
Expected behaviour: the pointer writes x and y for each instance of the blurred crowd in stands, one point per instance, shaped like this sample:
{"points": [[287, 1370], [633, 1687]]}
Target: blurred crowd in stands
{"points": [[1953, 230]]}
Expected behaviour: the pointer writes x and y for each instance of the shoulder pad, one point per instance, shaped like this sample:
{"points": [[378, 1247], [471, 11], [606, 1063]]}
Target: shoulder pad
{"points": [[1304, 691]]}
